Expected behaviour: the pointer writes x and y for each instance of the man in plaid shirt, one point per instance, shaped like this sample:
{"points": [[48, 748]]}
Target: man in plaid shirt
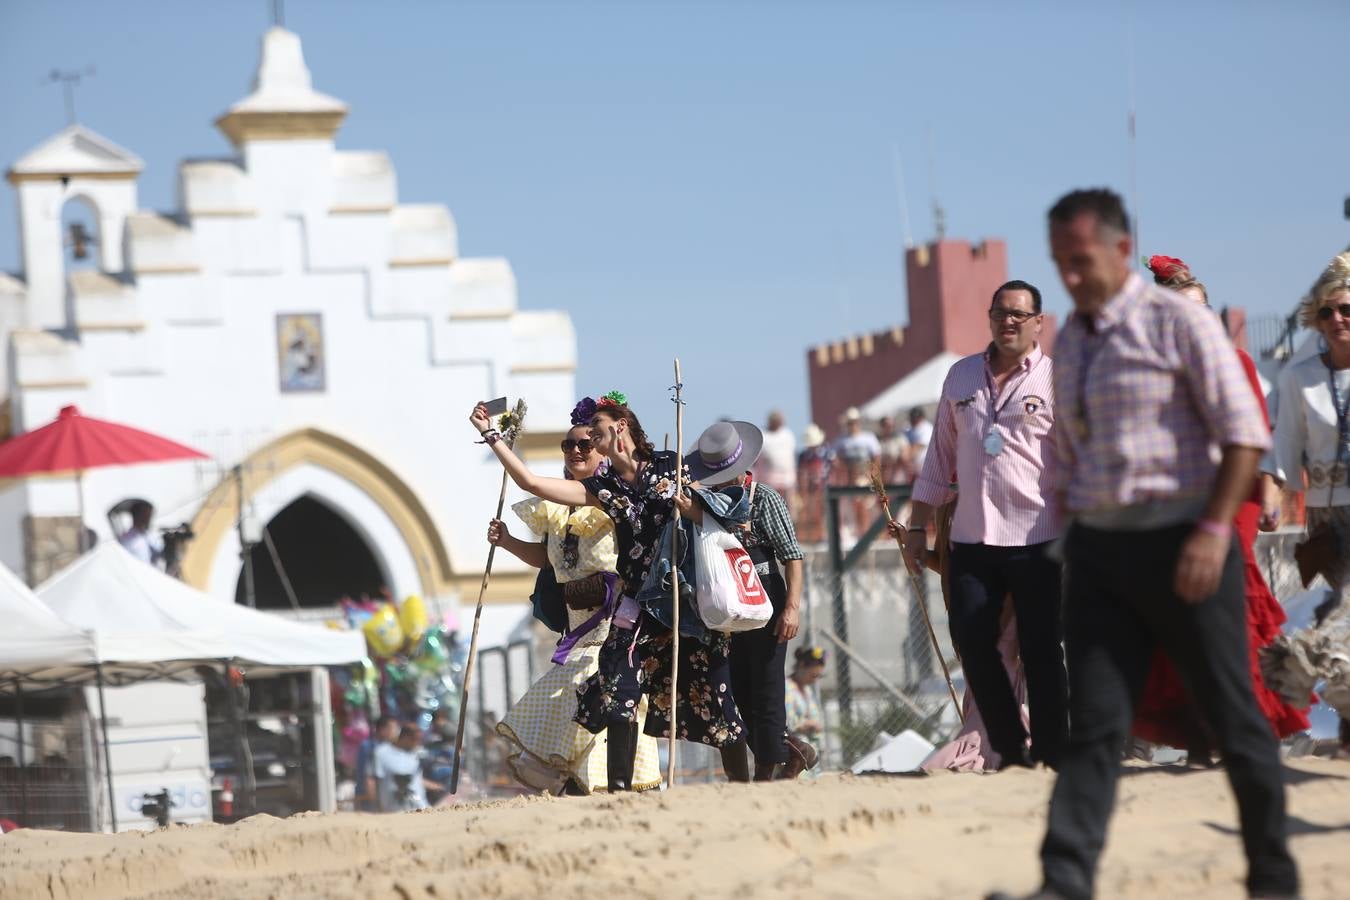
{"points": [[1159, 438]]}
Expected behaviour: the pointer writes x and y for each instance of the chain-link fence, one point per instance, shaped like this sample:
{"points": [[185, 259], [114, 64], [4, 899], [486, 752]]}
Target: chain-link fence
{"points": [[884, 676], [885, 656], [47, 761]]}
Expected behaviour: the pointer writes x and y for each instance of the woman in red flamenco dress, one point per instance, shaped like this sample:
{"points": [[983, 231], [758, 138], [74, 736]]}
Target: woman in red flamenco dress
{"points": [[1164, 714]]}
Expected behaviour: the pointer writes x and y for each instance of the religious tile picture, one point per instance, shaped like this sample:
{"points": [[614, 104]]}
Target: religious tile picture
{"points": [[300, 352]]}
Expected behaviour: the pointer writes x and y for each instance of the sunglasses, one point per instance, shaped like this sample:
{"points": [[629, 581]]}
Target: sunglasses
{"points": [[584, 445], [1325, 312], [1018, 316]]}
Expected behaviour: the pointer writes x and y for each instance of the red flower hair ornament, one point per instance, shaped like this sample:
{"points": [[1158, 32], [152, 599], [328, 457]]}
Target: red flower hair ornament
{"points": [[1165, 267]]}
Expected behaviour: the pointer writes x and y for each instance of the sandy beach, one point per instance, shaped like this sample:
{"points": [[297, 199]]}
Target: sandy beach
{"points": [[1174, 835]]}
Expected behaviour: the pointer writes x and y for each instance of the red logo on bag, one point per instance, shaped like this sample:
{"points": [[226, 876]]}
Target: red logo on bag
{"points": [[747, 579]]}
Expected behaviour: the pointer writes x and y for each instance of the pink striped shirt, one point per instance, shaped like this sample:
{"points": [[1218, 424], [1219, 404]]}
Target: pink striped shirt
{"points": [[1006, 498]]}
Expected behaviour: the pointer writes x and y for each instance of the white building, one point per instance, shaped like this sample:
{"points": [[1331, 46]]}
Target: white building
{"points": [[291, 318]]}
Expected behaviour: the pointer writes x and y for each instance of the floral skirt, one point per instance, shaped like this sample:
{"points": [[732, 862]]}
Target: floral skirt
{"points": [[634, 663], [707, 713], [612, 695]]}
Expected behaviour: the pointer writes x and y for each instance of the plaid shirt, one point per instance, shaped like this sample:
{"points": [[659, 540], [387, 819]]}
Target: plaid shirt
{"points": [[1147, 394], [771, 525]]}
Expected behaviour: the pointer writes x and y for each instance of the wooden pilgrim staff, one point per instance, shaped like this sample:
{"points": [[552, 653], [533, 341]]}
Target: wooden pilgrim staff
{"points": [[511, 425], [675, 536], [879, 488]]}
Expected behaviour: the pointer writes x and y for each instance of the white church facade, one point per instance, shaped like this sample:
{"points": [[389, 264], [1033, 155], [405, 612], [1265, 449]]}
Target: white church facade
{"points": [[320, 340]]}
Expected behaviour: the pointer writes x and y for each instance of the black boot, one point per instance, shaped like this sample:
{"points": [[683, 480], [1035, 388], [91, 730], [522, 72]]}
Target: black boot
{"points": [[736, 762], [619, 760]]}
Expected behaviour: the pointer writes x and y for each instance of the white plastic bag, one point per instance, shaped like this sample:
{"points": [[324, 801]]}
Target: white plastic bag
{"points": [[730, 595]]}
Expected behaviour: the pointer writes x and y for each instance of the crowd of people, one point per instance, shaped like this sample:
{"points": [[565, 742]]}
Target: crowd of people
{"points": [[1100, 510], [400, 767], [801, 476]]}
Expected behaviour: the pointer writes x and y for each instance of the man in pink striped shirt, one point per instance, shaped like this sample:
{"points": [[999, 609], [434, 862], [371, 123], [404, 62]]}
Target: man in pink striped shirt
{"points": [[1160, 436], [994, 437]]}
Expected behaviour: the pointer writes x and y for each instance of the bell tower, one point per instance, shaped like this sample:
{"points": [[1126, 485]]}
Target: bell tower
{"points": [[75, 164]]}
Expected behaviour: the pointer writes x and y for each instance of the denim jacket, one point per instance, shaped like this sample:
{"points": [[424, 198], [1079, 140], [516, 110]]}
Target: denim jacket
{"points": [[730, 506]]}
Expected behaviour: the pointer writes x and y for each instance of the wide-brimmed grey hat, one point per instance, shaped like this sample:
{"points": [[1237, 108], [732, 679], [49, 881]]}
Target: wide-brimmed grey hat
{"points": [[724, 452]]}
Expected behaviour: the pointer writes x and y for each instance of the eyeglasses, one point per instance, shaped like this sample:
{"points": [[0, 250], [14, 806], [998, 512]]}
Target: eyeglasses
{"points": [[584, 445], [1018, 316], [1325, 312]]}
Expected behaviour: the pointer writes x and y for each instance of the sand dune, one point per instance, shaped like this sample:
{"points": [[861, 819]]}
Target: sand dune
{"points": [[839, 836]]}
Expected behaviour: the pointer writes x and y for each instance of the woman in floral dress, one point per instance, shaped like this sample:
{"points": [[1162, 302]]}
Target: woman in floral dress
{"points": [[637, 492], [549, 750]]}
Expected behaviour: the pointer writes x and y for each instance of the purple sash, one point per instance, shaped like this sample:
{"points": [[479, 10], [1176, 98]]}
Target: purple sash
{"points": [[606, 610]]}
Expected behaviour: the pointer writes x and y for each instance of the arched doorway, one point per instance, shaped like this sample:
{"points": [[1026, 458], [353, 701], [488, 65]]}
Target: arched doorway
{"points": [[351, 485], [324, 557]]}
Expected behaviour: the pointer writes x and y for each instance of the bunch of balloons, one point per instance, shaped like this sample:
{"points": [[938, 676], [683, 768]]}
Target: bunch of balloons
{"points": [[414, 668]]}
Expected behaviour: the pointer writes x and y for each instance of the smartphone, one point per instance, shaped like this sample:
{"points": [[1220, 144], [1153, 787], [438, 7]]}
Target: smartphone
{"points": [[496, 407]]}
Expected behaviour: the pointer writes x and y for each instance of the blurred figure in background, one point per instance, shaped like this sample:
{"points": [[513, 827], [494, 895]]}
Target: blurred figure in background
{"points": [[920, 435], [777, 466], [814, 465], [398, 773], [386, 730], [805, 720], [140, 539], [894, 452], [857, 449]]}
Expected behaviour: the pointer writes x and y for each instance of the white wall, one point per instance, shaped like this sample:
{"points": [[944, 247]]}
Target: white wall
{"points": [[401, 373]]}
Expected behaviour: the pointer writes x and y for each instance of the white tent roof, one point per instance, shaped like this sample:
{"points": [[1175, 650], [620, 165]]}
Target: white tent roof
{"points": [[922, 387], [113, 594], [34, 637], [39, 647]]}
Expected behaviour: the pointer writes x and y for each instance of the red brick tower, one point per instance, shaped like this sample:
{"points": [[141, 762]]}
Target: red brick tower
{"points": [[949, 283]]}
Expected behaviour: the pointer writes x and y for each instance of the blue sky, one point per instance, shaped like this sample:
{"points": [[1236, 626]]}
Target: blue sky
{"points": [[717, 180]]}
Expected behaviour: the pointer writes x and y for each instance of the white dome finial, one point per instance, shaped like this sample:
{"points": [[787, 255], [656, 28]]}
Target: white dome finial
{"points": [[282, 67], [284, 103]]}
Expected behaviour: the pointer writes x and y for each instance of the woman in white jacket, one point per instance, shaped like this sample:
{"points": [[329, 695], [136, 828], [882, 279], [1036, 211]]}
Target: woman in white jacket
{"points": [[1312, 440]]}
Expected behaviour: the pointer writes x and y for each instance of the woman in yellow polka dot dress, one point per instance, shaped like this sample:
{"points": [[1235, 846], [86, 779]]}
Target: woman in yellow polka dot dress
{"points": [[549, 751]]}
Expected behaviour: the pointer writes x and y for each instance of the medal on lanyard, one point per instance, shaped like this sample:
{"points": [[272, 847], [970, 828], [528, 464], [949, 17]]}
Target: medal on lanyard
{"points": [[993, 442]]}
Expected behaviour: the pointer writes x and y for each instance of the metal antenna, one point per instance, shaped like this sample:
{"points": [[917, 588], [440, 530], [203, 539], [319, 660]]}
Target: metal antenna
{"points": [[939, 214], [69, 81], [279, 13], [902, 198], [1129, 69]]}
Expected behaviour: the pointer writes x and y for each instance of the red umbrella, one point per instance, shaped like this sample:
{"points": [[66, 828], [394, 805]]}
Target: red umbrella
{"points": [[74, 443]]}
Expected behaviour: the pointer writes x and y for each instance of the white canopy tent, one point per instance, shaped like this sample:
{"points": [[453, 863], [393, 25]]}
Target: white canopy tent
{"points": [[39, 649], [34, 639], [922, 387], [140, 623], [113, 594]]}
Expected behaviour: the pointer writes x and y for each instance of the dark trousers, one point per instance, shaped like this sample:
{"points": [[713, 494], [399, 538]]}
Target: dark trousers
{"points": [[981, 577], [1120, 605], [758, 680]]}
